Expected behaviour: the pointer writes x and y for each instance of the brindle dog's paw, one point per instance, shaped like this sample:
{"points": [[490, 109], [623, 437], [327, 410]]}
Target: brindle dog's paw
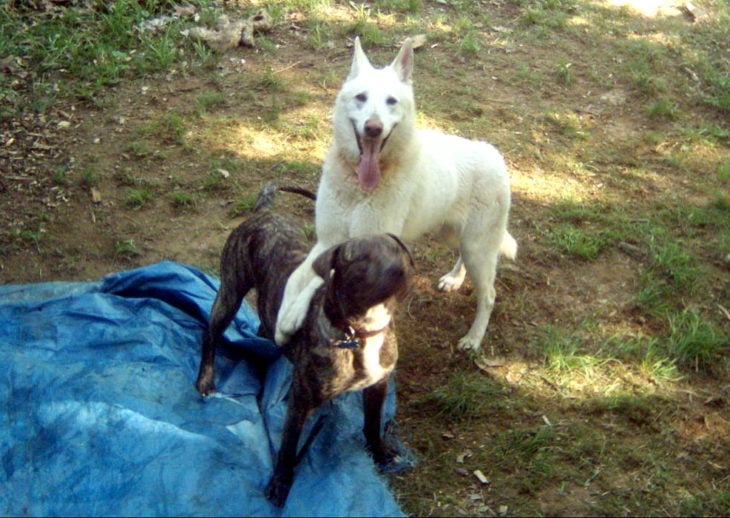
{"points": [[278, 490], [384, 455], [392, 457], [206, 387]]}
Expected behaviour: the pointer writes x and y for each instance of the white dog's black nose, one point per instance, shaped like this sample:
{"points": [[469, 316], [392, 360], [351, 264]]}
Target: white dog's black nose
{"points": [[373, 128]]}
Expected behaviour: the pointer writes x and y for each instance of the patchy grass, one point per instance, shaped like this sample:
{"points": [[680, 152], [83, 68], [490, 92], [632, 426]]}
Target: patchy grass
{"points": [[603, 385]]}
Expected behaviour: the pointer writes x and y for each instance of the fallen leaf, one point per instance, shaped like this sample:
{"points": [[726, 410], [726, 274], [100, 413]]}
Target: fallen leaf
{"points": [[184, 11], [418, 41], [489, 363], [480, 476], [460, 457]]}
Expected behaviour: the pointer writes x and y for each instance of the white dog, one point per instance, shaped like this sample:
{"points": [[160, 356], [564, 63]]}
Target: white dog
{"points": [[383, 175]]}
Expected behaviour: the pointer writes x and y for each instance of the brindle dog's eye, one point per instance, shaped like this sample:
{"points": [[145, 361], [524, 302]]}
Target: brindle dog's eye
{"points": [[361, 97]]}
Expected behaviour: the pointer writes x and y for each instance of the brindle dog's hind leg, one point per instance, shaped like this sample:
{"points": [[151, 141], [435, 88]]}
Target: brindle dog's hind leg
{"points": [[226, 304]]}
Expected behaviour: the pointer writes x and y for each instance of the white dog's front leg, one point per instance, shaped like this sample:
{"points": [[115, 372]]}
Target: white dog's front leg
{"points": [[473, 339], [298, 293], [291, 317]]}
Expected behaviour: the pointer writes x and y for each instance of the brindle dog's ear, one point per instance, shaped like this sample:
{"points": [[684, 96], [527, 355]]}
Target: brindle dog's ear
{"points": [[325, 262], [404, 247]]}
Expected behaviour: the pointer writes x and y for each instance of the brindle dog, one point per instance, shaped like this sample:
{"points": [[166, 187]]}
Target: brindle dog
{"points": [[348, 340]]}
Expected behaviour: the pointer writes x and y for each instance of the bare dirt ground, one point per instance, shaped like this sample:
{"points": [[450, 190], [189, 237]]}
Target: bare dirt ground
{"points": [[69, 228]]}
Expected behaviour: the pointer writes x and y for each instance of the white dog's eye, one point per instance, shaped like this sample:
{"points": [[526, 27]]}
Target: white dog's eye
{"points": [[391, 101], [361, 97]]}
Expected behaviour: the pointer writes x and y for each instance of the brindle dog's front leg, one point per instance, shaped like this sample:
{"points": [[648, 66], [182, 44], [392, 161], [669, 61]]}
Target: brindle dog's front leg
{"points": [[286, 460], [373, 399]]}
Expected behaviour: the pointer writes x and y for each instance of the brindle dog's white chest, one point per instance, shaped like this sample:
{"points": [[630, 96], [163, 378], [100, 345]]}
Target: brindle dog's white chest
{"points": [[371, 369]]}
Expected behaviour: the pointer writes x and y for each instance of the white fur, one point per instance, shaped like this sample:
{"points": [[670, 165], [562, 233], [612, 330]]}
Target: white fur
{"points": [[377, 317], [426, 180]]}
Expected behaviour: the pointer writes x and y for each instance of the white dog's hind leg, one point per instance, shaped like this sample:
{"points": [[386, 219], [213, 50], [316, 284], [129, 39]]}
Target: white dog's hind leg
{"points": [[453, 280]]}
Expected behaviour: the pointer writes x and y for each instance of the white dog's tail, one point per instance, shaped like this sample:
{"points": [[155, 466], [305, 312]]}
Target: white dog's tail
{"points": [[508, 248]]}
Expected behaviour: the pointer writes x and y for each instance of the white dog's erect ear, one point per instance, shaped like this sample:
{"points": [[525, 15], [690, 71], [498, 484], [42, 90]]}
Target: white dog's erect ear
{"points": [[359, 60], [403, 62]]}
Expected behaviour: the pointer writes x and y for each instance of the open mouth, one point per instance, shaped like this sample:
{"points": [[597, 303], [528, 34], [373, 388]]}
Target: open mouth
{"points": [[368, 169]]}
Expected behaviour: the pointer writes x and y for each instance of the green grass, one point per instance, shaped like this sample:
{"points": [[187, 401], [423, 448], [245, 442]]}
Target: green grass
{"points": [[215, 180], [26, 236], [184, 201], [696, 342], [137, 198], [89, 178], [579, 243], [531, 453], [465, 396], [671, 274], [665, 108], [173, 127], [126, 249], [208, 101], [140, 149], [243, 204], [89, 48], [584, 231]]}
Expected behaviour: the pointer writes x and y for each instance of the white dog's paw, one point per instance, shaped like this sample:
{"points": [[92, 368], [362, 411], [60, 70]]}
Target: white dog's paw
{"points": [[450, 282], [289, 322], [280, 337], [292, 317], [467, 343]]}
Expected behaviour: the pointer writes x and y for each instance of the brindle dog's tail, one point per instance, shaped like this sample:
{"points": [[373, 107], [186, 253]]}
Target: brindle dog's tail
{"points": [[268, 193]]}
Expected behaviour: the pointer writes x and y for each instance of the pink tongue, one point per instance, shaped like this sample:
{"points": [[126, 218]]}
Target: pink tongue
{"points": [[368, 170]]}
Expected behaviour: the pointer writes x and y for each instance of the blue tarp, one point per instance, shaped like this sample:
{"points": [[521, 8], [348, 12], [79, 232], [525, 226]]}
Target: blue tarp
{"points": [[101, 416]]}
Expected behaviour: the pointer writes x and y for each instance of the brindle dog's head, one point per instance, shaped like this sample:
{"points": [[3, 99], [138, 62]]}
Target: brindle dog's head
{"points": [[364, 272]]}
